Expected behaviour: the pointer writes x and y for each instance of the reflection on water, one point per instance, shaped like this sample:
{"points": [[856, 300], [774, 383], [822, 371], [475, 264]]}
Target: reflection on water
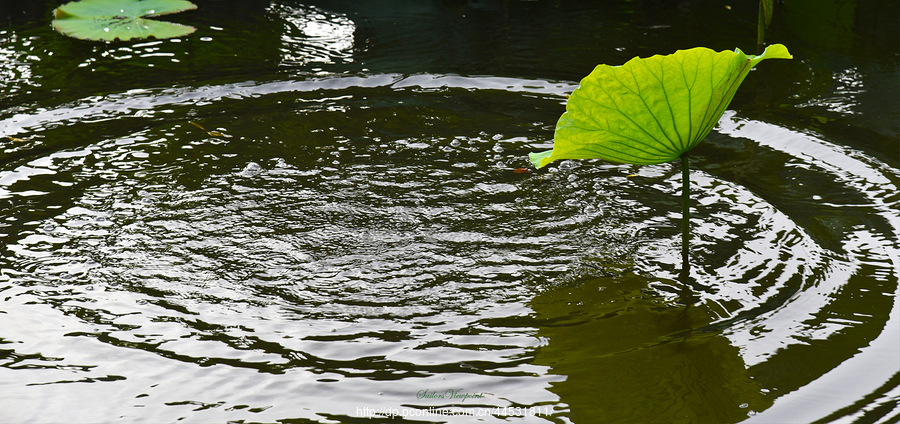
{"points": [[291, 219], [313, 35], [632, 357], [847, 85], [14, 64], [322, 251]]}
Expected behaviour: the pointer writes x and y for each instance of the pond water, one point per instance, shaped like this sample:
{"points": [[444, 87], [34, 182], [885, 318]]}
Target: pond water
{"points": [[315, 212]]}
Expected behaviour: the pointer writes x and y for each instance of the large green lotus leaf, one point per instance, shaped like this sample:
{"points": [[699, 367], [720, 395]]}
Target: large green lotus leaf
{"points": [[650, 110], [109, 20]]}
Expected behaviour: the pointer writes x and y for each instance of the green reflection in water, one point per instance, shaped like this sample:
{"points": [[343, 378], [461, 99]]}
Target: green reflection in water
{"points": [[631, 357]]}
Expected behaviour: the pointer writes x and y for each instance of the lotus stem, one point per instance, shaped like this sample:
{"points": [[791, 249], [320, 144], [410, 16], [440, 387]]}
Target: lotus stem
{"points": [[685, 218], [761, 29]]}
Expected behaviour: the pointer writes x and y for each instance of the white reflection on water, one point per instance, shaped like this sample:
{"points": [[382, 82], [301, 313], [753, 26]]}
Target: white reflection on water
{"points": [[16, 56], [858, 376], [145, 102], [314, 35], [844, 97]]}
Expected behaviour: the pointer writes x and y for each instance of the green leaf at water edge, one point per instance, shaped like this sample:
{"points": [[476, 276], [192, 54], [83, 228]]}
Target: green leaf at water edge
{"points": [[650, 110], [110, 20]]}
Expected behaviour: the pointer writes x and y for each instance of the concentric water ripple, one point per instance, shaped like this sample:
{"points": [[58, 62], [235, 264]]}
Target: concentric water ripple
{"points": [[302, 249]]}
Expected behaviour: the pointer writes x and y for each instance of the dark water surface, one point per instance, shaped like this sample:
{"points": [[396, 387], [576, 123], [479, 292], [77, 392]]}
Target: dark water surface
{"points": [[311, 212]]}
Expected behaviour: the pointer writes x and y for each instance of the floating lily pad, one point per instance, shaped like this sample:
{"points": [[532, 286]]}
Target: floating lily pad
{"points": [[120, 20]]}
